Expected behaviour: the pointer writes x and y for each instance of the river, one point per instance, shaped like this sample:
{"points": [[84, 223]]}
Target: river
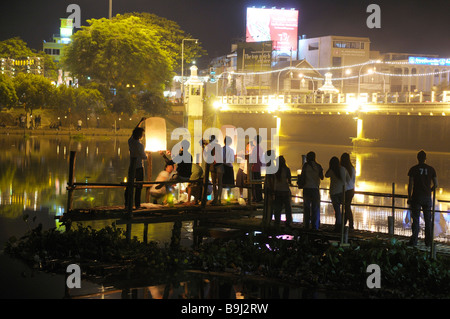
{"points": [[34, 174]]}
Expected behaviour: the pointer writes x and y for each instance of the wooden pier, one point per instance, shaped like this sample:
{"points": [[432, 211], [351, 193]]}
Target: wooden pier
{"points": [[229, 219]]}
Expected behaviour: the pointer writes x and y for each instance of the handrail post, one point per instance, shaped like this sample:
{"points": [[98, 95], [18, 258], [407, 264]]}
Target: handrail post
{"points": [[205, 185], [433, 211], [343, 221], [391, 219], [130, 186], [249, 181], [71, 180]]}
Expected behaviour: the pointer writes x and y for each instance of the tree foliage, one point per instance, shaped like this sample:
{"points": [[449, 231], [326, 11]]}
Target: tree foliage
{"points": [[8, 96], [117, 53], [132, 55], [33, 91]]}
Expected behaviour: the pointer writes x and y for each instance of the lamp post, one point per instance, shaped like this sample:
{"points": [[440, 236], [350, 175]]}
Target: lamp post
{"points": [[278, 81], [301, 75], [359, 77], [182, 65]]}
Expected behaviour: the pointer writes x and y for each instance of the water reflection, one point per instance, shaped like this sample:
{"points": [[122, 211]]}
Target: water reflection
{"points": [[34, 175], [205, 286]]}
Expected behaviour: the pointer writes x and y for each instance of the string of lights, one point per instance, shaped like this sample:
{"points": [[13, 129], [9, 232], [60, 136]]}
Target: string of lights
{"points": [[291, 68]]}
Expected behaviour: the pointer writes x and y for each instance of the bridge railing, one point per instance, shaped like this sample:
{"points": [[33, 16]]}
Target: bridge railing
{"points": [[338, 98]]}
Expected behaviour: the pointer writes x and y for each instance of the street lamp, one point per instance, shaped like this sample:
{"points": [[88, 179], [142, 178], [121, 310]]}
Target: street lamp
{"points": [[302, 76], [278, 82], [370, 71], [182, 64]]}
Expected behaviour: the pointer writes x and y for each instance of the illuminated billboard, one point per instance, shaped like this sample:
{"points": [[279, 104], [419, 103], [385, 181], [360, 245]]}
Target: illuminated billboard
{"points": [[277, 25], [428, 61], [256, 56]]}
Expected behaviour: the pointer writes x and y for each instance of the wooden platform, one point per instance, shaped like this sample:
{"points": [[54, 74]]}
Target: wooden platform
{"points": [[151, 213], [227, 220]]}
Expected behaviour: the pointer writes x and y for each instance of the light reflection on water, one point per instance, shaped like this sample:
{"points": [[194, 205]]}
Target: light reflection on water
{"points": [[34, 174]]}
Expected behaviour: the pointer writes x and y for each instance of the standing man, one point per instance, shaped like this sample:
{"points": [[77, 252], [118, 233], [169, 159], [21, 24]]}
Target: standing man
{"points": [[419, 197], [137, 151], [256, 164], [313, 173]]}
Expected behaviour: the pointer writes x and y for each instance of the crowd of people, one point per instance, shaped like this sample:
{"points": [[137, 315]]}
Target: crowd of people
{"points": [[277, 185]]}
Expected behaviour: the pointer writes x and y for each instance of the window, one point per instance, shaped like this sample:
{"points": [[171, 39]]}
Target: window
{"points": [[337, 61], [348, 44], [313, 46], [295, 84]]}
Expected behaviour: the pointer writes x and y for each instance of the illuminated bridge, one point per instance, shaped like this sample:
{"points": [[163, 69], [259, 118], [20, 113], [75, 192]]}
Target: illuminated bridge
{"points": [[407, 120], [418, 104]]}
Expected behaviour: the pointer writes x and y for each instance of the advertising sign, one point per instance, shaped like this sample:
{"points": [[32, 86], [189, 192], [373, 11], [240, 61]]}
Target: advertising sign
{"points": [[428, 61], [256, 56], [277, 25]]}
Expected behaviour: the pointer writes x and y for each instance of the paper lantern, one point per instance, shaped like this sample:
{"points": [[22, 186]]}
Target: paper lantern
{"points": [[155, 134]]}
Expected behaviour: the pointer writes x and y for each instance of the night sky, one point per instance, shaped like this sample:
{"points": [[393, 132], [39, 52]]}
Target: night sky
{"points": [[406, 26]]}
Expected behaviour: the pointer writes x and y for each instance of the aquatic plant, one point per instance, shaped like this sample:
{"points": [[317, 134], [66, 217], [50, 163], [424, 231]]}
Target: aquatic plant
{"points": [[405, 272]]}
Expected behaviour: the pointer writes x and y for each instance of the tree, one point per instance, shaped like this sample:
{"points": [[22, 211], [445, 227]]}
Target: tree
{"points": [[129, 55], [33, 91], [15, 48], [171, 37], [88, 101], [64, 99], [117, 53], [8, 96]]}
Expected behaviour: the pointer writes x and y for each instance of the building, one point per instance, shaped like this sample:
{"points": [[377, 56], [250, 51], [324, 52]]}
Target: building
{"points": [[335, 54], [411, 72], [357, 68], [11, 67], [55, 47]]}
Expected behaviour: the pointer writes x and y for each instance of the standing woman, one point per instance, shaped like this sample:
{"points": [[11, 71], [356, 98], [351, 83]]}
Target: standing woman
{"points": [[282, 184], [338, 179], [349, 188]]}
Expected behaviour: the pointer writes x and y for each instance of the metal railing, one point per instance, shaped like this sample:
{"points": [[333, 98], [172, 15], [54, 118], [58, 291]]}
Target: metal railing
{"points": [[338, 98]]}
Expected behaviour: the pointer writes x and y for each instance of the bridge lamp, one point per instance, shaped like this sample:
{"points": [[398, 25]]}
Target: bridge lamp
{"points": [[217, 105], [273, 106], [353, 105]]}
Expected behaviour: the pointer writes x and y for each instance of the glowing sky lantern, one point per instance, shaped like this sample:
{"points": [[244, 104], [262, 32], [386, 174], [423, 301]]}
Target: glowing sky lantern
{"points": [[155, 134]]}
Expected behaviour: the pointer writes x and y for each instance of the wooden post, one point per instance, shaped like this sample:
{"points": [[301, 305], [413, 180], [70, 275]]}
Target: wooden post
{"points": [[433, 211], [391, 219], [130, 186], [343, 221], [205, 185], [71, 180], [149, 175], [249, 181], [145, 232]]}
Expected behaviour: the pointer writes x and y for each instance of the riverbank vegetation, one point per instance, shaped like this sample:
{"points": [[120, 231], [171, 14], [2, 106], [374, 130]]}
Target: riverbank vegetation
{"points": [[405, 272]]}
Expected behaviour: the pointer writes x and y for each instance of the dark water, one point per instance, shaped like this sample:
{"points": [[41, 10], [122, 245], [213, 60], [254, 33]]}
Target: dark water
{"points": [[34, 173]]}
